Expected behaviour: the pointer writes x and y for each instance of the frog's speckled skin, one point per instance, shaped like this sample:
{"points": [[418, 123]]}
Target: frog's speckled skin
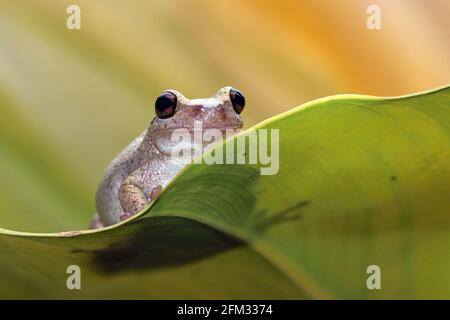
{"points": [[138, 173]]}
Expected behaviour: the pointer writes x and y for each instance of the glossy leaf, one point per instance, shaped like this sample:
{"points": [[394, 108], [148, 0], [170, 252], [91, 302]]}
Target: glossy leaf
{"points": [[362, 181]]}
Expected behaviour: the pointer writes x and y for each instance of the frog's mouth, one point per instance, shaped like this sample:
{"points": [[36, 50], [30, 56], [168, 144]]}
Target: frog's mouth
{"points": [[236, 129], [226, 132], [164, 140], [218, 128]]}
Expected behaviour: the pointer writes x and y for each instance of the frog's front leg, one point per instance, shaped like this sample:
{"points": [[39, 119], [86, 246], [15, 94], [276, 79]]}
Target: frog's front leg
{"points": [[133, 199]]}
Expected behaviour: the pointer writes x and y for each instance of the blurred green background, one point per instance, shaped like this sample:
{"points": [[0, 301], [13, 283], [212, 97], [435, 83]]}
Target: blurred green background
{"points": [[70, 100]]}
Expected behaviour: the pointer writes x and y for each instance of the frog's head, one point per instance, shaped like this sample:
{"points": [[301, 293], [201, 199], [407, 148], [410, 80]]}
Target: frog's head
{"points": [[221, 111], [174, 111]]}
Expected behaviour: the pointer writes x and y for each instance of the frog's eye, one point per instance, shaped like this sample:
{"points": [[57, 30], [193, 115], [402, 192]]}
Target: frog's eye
{"points": [[165, 105], [238, 100]]}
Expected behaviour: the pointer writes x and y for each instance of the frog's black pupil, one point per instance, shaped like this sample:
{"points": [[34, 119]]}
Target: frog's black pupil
{"points": [[165, 105], [238, 100]]}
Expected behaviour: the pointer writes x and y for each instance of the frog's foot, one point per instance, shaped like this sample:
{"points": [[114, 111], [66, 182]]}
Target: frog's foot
{"points": [[134, 200], [96, 223]]}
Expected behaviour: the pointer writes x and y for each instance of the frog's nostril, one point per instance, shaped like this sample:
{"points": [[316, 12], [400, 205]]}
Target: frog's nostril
{"points": [[197, 112], [222, 114]]}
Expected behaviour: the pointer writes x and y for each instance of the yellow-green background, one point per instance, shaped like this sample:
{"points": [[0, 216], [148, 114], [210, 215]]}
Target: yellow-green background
{"points": [[70, 100]]}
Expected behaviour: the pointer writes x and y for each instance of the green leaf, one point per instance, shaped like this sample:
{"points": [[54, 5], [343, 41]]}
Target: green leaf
{"points": [[362, 181]]}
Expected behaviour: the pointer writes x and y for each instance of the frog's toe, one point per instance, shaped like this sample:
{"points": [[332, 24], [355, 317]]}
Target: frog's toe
{"points": [[155, 192], [125, 216], [96, 223]]}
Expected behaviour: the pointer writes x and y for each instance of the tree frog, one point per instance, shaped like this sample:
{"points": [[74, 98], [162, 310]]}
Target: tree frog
{"points": [[138, 174]]}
